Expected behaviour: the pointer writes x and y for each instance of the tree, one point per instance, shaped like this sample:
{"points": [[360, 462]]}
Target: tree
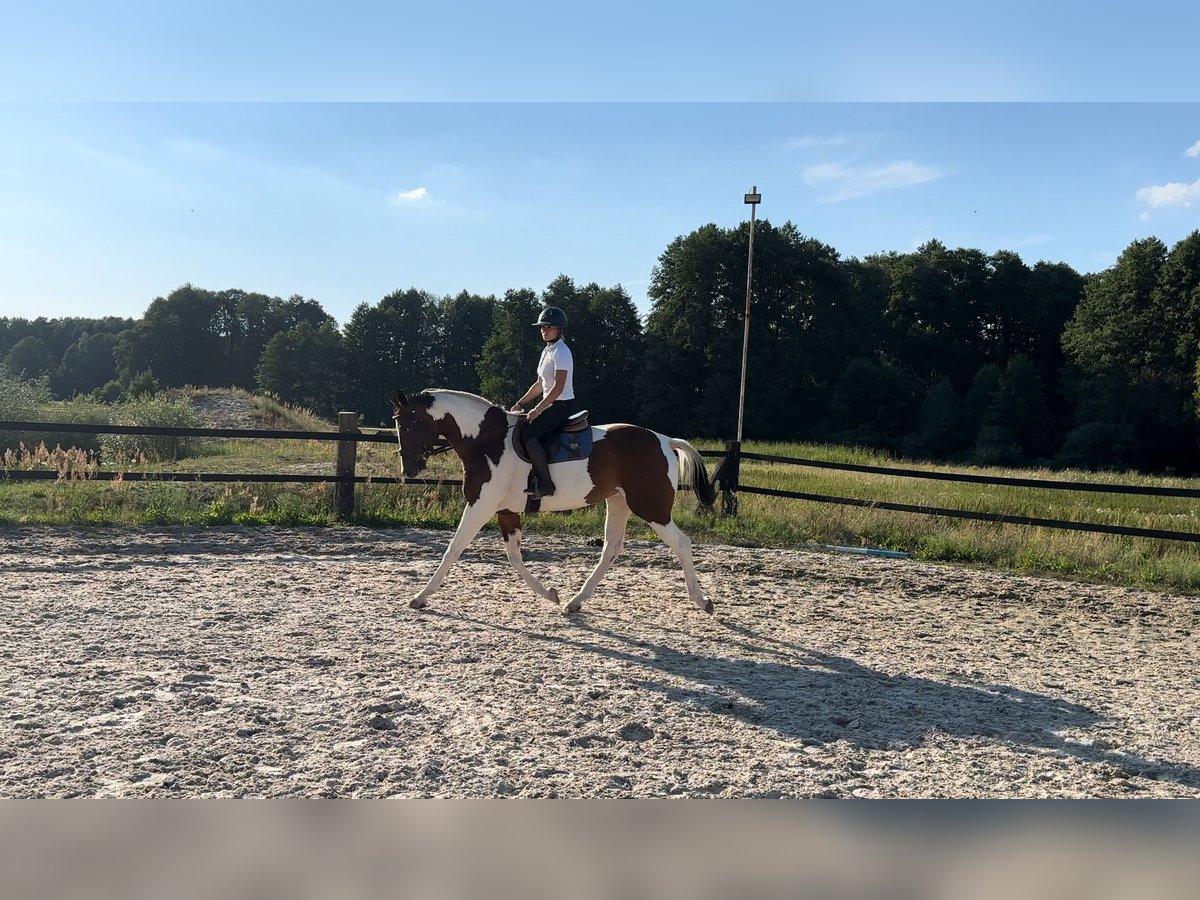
{"points": [[1054, 291], [614, 355], [872, 405], [940, 429], [464, 325], [691, 291], [141, 384], [86, 365], [388, 346], [507, 366], [940, 315], [1118, 326], [202, 337], [563, 293], [248, 321], [28, 359], [303, 366], [805, 323], [178, 339], [1181, 298], [807, 318], [58, 335], [1124, 362], [980, 397], [1017, 426]]}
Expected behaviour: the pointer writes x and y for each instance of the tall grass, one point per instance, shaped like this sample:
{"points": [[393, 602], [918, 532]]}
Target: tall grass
{"points": [[1084, 555]]}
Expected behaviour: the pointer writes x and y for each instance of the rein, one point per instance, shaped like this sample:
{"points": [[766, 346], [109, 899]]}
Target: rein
{"points": [[443, 446]]}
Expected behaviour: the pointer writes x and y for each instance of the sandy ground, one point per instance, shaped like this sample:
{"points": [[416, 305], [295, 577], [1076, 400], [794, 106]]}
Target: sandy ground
{"points": [[285, 662]]}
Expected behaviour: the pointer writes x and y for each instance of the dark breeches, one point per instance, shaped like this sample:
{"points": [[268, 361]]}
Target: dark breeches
{"points": [[552, 418]]}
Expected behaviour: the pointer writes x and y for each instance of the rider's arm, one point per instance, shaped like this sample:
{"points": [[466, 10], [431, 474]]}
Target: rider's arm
{"points": [[535, 390], [560, 383]]}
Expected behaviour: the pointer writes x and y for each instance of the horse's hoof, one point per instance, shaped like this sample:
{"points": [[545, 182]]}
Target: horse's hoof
{"points": [[418, 603], [554, 596], [574, 606], [707, 606]]}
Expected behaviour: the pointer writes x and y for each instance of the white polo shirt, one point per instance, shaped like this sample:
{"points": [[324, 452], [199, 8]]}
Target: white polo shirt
{"points": [[557, 357]]}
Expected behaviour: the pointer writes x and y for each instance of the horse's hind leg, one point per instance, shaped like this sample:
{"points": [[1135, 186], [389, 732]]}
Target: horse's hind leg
{"points": [[615, 520], [682, 545], [510, 530]]}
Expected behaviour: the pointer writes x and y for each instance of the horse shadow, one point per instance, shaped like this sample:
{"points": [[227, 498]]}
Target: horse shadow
{"points": [[812, 697]]}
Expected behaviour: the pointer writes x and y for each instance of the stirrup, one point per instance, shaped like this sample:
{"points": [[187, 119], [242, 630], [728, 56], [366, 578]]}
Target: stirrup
{"points": [[539, 490]]}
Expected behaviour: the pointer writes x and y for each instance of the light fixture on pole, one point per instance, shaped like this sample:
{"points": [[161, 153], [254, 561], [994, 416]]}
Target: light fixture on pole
{"points": [[753, 199], [727, 473]]}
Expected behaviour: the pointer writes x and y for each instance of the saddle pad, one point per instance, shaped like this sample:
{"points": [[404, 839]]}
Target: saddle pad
{"points": [[570, 445]]}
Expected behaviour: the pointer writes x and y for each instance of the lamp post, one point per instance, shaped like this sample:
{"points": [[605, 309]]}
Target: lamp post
{"points": [[729, 469], [753, 199]]}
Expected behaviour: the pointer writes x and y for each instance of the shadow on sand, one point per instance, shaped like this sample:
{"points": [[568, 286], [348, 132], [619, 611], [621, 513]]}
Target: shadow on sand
{"points": [[814, 698]]}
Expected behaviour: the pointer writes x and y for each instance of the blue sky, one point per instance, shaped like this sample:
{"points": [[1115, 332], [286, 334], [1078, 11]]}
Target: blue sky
{"points": [[142, 147]]}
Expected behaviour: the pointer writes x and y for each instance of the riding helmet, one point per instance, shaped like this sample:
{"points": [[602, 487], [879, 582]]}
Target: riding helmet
{"points": [[552, 315]]}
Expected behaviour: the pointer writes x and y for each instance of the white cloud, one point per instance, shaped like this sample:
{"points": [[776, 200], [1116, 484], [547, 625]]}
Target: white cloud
{"points": [[811, 141], [1173, 193], [413, 196], [1194, 150], [842, 182]]}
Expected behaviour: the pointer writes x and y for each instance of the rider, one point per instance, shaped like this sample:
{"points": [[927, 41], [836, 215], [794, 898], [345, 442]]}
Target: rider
{"points": [[555, 386]]}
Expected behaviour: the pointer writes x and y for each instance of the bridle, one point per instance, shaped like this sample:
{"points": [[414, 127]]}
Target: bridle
{"points": [[443, 446]]}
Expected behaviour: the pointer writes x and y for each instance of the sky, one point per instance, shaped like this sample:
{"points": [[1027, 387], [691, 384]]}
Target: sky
{"points": [[342, 154]]}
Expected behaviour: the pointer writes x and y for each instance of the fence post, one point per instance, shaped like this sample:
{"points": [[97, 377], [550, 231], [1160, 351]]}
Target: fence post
{"points": [[727, 476], [347, 455]]}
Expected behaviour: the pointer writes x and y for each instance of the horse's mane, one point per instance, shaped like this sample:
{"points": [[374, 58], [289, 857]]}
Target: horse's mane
{"points": [[431, 393]]}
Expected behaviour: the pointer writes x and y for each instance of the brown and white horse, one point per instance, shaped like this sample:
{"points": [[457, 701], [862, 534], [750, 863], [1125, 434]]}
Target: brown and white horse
{"points": [[634, 470]]}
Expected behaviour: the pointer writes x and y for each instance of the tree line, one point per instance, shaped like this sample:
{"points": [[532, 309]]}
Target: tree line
{"points": [[945, 354]]}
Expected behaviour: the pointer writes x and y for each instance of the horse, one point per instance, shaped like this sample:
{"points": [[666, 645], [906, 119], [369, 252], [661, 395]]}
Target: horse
{"points": [[635, 471]]}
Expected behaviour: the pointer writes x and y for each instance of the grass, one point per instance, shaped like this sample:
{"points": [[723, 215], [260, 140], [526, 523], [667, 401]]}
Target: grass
{"points": [[1083, 555], [762, 521]]}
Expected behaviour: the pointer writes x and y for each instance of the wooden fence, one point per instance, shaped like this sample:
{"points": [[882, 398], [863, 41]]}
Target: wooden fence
{"points": [[727, 475]]}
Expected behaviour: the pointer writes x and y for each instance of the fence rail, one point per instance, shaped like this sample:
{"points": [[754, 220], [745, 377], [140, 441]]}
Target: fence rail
{"points": [[727, 475], [1000, 480], [995, 518], [248, 477], [164, 431], [733, 455], [347, 437]]}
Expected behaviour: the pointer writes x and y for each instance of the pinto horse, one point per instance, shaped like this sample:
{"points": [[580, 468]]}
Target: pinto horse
{"points": [[634, 470]]}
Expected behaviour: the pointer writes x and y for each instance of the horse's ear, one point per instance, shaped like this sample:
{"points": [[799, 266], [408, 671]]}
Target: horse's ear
{"points": [[397, 398]]}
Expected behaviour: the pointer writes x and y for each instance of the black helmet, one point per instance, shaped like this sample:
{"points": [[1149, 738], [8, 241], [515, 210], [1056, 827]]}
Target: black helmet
{"points": [[552, 315]]}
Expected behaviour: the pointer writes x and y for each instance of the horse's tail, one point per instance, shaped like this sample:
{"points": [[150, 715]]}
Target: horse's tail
{"points": [[693, 472]]}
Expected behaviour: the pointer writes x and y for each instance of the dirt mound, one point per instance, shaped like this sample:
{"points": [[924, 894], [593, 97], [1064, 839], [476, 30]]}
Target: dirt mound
{"points": [[225, 409]]}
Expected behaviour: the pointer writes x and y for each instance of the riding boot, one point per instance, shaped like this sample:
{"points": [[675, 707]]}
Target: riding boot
{"points": [[543, 486]]}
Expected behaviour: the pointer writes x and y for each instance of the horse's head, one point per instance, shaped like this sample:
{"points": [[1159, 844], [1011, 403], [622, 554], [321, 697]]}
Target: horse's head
{"points": [[415, 430]]}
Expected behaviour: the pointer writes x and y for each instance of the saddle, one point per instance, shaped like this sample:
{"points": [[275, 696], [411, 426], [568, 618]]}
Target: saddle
{"points": [[573, 440]]}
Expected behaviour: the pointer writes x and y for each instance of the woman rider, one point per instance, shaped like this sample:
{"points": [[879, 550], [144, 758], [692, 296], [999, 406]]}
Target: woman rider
{"points": [[555, 386]]}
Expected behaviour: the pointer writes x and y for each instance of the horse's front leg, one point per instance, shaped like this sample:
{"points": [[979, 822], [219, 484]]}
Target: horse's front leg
{"points": [[474, 517], [510, 530]]}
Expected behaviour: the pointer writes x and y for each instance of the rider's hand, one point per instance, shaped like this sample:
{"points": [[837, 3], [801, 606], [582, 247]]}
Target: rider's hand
{"points": [[518, 409], [533, 414]]}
